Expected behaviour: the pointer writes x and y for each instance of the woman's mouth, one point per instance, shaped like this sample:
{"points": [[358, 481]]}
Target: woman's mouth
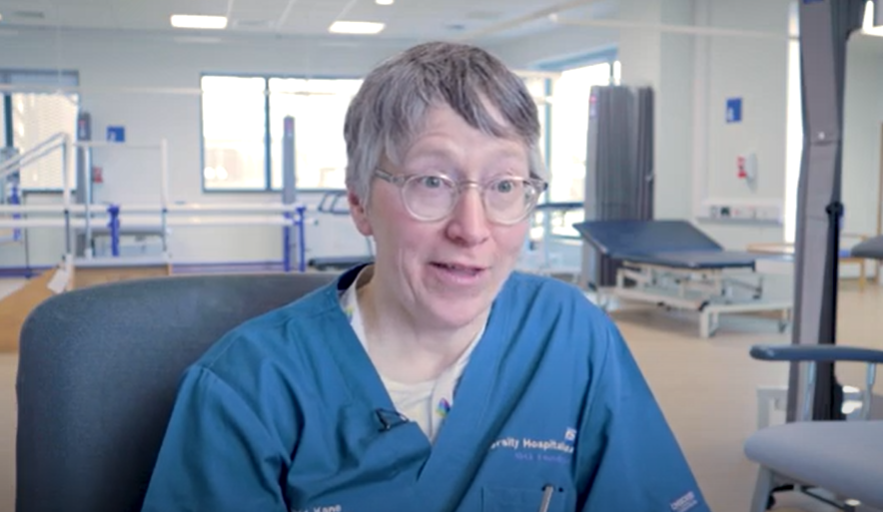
{"points": [[458, 269]]}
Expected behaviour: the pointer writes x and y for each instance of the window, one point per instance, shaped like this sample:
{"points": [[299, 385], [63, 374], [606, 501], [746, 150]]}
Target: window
{"points": [[233, 127], [794, 129], [538, 88], [319, 110], [570, 126], [28, 118], [243, 124], [793, 142]]}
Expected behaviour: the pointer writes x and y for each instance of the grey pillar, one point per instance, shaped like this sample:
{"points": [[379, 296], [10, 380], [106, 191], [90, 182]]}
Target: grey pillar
{"points": [[83, 176], [825, 26]]}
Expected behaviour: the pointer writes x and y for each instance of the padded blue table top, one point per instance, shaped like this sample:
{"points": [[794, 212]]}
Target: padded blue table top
{"points": [[613, 237], [694, 259], [670, 243]]}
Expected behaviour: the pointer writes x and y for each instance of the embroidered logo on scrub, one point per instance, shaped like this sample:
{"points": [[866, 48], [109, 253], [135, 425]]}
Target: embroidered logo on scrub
{"points": [[443, 407], [332, 508], [684, 503], [547, 450]]}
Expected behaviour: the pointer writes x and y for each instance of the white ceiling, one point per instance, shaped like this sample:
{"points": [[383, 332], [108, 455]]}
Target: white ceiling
{"points": [[405, 19]]}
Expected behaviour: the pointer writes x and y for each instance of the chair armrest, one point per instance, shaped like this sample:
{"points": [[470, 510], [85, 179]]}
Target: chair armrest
{"points": [[816, 353]]}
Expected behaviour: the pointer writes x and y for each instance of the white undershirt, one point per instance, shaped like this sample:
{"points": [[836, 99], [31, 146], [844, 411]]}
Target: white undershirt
{"points": [[426, 403]]}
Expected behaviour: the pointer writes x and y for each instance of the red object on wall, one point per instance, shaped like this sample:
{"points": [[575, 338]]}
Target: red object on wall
{"points": [[97, 175], [740, 162]]}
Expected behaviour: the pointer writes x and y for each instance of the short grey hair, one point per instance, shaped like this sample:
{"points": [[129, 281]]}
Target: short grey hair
{"points": [[389, 108]]}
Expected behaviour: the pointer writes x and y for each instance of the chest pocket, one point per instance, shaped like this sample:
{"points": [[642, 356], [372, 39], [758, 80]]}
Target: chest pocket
{"points": [[521, 499]]}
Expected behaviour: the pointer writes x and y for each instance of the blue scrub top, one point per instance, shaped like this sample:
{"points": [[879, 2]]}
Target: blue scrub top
{"points": [[287, 413]]}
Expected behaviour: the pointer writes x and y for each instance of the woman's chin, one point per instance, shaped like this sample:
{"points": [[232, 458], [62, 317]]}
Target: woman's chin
{"points": [[455, 314]]}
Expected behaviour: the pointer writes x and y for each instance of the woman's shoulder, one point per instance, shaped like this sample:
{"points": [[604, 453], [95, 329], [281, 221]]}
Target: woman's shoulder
{"points": [[546, 304], [535, 289]]}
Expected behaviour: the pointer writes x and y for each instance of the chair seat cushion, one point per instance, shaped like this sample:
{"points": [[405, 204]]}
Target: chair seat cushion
{"points": [[844, 457]]}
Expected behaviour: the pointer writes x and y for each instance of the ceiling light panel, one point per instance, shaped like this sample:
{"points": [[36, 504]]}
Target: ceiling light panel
{"points": [[199, 21], [356, 27]]}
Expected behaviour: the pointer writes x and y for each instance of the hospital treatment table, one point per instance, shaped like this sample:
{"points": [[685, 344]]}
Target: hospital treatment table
{"points": [[671, 263]]}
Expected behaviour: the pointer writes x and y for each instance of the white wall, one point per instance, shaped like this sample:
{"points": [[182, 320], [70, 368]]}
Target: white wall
{"points": [[111, 65], [755, 70], [863, 122], [675, 110]]}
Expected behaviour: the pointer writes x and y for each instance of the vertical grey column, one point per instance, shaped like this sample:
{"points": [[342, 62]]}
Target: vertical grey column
{"points": [[825, 26], [591, 207], [289, 191], [83, 177], [288, 168]]}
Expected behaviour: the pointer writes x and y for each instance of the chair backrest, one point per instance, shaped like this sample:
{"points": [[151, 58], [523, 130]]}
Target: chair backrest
{"points": [[98, 374]]}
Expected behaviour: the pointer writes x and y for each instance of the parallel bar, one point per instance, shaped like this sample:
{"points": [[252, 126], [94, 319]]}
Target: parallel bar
{"points": [[105, 144], [229, 220], [157, 208], [40, 208]]}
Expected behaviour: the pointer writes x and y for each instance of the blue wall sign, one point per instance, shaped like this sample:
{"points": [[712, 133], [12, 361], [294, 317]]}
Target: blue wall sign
{"points": [[116, 134], [734, 110]]}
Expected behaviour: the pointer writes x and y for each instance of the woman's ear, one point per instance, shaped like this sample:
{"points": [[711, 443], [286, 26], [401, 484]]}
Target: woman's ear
{"points": [[359, 213]]}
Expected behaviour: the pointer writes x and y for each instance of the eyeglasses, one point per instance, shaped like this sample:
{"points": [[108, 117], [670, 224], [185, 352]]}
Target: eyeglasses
{"points": [[432, 196]]}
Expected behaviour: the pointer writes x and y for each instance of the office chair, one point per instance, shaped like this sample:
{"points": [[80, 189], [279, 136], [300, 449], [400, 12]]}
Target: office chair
{"points": [[98, 375]]}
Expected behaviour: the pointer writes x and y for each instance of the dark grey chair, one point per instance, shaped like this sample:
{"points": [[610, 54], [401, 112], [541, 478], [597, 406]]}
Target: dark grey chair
{"points": [[98, 374]]}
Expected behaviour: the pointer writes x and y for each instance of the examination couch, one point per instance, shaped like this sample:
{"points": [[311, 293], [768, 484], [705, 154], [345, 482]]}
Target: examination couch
{"points": [[841, 461], [98, 374]]}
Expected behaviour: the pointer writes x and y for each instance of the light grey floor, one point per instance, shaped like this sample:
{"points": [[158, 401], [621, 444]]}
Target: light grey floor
{"points": [[707, 389]]}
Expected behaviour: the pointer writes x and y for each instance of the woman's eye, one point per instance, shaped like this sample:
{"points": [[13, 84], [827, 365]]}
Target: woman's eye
{"points": [[504, 186], [431, 181]]}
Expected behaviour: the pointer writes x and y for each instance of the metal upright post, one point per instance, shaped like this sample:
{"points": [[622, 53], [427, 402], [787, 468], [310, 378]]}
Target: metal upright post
{"points": [[289, 189], [82, 182], [825, 26]]}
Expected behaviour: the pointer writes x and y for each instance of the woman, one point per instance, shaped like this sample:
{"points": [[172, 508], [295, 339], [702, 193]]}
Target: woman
{"points": [[436, 378]]}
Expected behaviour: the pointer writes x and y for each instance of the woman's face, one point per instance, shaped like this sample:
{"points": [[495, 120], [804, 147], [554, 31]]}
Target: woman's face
{"points": [[445, 273]]}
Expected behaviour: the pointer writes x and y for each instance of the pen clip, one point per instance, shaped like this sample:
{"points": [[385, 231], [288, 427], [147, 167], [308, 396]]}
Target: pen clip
{"points": [[547, 497]]}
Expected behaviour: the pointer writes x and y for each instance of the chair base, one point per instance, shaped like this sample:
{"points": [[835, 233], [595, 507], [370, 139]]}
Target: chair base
{"points": [[769, 484]]}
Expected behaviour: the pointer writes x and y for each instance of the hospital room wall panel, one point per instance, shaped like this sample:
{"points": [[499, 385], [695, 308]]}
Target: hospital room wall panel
{"points": [[149, 85], [754, 71], [675, 110]]}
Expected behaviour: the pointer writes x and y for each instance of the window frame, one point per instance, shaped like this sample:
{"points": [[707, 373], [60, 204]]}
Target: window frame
{"points": [[34, 81], [267, 136], [608, 55]]}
